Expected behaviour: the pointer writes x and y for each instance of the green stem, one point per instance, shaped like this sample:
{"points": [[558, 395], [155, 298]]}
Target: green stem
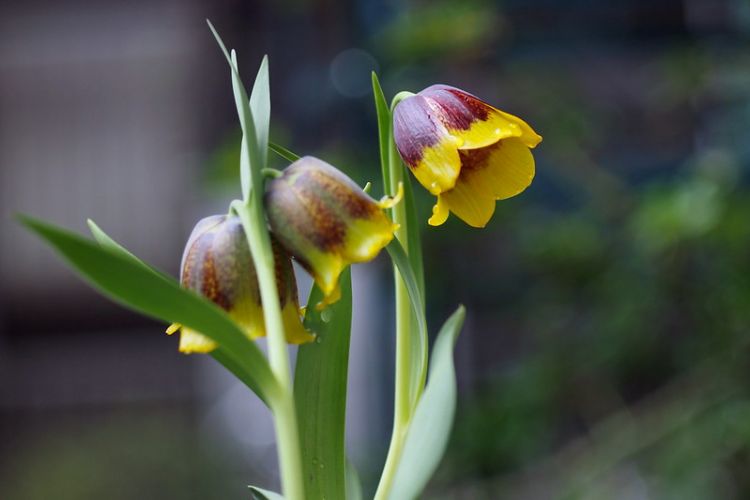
{"points": [[403, 406], [281, 403]]}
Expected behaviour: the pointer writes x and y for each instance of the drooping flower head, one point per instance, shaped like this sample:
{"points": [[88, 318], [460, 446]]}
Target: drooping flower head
{"points": [[217, 264], [325, 220], [464, 151]]}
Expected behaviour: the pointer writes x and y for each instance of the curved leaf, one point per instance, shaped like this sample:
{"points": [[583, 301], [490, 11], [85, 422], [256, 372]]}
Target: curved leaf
{"points": [[133, 284], [401, 260], [238, 370], [430, 426]]}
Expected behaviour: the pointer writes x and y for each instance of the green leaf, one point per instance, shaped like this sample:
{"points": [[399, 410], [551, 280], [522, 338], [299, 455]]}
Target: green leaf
{"points": [[430, 426], [414, 240], [106, 241], [225, 359], [133, 284], [320, 393], [384, 127], [260, 109], [261, 494], [283, 152], [353, 485], [250, 152], [401, 260]]}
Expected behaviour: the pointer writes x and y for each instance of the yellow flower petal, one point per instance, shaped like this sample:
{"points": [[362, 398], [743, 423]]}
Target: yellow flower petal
{"points": [[483, 133], [494, 173], [439, 212], [192, 341], [438, 168], [387, 202], [294, 332], [527, 136]]}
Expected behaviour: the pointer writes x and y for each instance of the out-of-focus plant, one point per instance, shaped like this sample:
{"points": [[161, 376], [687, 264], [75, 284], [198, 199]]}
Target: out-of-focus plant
{"points": [[238, 284]]}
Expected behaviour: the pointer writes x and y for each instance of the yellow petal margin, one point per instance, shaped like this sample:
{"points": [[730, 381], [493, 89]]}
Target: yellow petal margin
{"points": [[494, 173]]}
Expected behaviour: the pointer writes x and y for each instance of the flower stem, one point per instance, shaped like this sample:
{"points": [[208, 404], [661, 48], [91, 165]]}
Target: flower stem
{"points": [[282, 402], [403, 405]]}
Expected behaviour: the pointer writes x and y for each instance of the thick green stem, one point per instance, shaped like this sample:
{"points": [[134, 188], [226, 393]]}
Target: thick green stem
{"points": [[403, 405], [281, 403]]}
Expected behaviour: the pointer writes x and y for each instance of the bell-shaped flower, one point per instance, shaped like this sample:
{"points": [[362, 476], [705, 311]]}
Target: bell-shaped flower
{"points": [[326, 221], [464, 151], [217, 264]]}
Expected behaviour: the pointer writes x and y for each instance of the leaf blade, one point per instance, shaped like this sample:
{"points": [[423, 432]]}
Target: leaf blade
{"points": [[383, 112], [138, 287], [430, 426], [219, 354], [283, 152], [261, 494], [401, 260], [320, 382], [260, 109]]}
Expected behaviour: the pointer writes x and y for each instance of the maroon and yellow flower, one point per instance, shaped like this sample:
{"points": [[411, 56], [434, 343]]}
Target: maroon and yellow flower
{"points": [[326, 221], [464, 151], [217, 264]]}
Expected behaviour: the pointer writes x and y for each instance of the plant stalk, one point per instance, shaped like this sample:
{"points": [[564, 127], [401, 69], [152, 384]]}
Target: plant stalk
{"points": [[282, 402], [403, 405]]}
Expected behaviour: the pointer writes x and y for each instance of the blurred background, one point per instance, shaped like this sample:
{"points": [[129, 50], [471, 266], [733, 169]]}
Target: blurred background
{"points": [[605, 351]]}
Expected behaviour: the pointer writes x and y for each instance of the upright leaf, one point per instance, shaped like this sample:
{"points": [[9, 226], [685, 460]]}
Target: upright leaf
{"points": [[320, 393], [416, 299], [249, 155], [384, 127], [413, 237], [431, 424], [260, 108], [138, 287]]}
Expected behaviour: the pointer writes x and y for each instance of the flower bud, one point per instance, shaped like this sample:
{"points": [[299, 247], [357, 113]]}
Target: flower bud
{"points": [[217, 264], [326, 221], [464, 151]]}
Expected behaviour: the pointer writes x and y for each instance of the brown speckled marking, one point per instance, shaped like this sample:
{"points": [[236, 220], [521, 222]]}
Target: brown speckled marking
{"points": [[282, 270], [474, 159], [313, 216], [210, 286], [350, 198]]}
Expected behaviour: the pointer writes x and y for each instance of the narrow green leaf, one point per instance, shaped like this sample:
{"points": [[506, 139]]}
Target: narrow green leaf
{"points": [[133, 284], [431, 424], [249, 154], [261, 494], [219, 41], [320, 393], [414, 239], [260, 108], [283, 152], [219, 354], [353, 484], [106, 241], [384, 127], [399, 257]]}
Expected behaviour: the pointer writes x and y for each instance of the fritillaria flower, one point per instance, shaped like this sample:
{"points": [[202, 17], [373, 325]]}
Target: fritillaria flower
{"points": [[217, 264], [326, 221], [464, 151]]}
